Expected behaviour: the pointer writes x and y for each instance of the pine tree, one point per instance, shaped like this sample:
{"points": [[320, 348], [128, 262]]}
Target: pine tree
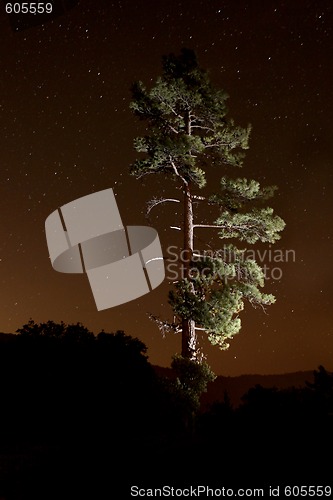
{"points": [[188, 135]]}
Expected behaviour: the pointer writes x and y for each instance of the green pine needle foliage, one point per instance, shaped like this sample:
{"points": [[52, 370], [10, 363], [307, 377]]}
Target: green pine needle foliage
{"points": [[191, 381], [216, 292], [186, 120]]}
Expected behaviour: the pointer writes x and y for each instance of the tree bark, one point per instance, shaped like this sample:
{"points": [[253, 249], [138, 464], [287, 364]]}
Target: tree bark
{"points": [[189, 339]]}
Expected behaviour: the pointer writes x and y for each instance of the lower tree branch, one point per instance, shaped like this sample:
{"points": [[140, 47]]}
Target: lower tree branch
{"points": [[157, 201]]}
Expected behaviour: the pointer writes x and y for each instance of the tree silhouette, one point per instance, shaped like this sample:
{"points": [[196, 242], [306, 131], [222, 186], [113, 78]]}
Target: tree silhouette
{"points": [[321, 390], [59, 380], [189, 380], [189, 135], [80, 403]]}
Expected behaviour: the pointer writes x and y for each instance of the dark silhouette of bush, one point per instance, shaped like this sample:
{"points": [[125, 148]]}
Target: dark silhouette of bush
{"points": [[80, 405], [61, 381]]}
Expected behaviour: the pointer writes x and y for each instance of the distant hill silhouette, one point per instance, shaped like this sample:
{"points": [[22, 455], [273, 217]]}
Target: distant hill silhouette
{"points": [[237, 386]]}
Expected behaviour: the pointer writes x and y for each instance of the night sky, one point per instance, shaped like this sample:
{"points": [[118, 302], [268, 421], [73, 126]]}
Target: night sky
{"points": [[67, 131]]}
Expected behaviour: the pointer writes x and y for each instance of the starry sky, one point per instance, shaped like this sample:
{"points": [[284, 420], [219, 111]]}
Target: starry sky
{"points": [[67, 131]]}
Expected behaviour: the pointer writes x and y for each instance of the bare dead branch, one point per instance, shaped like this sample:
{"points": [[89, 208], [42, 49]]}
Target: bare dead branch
{"points": [[164, 326], [157, 201], [208, 226]]}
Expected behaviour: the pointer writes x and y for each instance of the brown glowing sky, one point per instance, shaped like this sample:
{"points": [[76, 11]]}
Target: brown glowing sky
{"points": [[66, 131]]}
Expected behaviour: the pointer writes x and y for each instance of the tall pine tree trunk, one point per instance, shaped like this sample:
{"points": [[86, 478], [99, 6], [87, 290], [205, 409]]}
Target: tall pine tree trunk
{"points": [[189, 339]]}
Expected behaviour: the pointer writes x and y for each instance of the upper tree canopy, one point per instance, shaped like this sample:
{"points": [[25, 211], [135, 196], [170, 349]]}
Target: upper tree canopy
{"points": [[187, 124], [188, 133]]}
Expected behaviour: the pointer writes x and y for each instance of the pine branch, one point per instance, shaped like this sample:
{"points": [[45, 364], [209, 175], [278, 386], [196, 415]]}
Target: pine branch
{"points": [[208, 226], [173, 166], [157, 201], [202, 127], [143, 174], [162, 101], [199, 198], [164, 326], [217, 145]]}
